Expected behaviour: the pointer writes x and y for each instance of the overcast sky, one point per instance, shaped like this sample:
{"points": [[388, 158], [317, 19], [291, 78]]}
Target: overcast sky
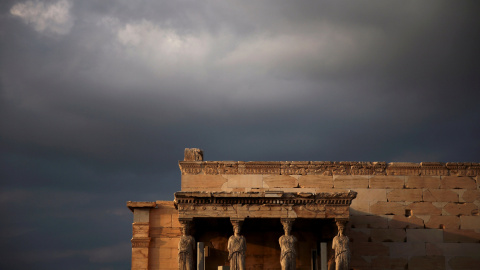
{"points": [[98, 99]]}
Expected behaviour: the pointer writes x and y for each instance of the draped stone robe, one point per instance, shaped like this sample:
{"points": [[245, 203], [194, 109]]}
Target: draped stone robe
{"points": [[342, 252], [236, 252], [186, 247], [288, 254]]}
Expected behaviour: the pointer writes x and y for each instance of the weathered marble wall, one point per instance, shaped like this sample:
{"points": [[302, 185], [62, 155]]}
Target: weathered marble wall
{"points": [[425, 222], [165, 231], [420, 216], [406, 215]]}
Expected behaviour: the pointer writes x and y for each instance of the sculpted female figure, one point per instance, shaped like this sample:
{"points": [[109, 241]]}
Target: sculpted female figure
{"points": [[288, 255], [237, 245], [186, 247], [340, 245]]}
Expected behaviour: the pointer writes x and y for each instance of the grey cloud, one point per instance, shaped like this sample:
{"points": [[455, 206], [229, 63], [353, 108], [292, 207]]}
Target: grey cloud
{"points": [[45, 17], [100, 115]]}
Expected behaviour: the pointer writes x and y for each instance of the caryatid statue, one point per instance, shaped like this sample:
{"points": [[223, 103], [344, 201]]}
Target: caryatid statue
{"points": [[288, 255], [340, 245], [237, 245], [186, 247]]}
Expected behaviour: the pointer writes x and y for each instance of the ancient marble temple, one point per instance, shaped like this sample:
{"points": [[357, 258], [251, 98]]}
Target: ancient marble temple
{"points": [[312, 215]]}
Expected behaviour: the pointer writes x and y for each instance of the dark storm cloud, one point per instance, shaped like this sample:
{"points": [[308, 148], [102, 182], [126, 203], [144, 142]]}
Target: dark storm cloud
{"points": [[98, 99]]}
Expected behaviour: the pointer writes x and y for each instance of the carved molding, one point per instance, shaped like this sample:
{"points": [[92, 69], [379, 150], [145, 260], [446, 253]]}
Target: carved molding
{"points": [[222, 199], [143, 242], [241, 205], [330, 168]]}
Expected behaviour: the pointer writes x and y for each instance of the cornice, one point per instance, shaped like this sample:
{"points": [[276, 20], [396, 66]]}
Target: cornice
{"points": [[263, 198], [329, 168], [269, 204], [132, 205], [141, 242]]}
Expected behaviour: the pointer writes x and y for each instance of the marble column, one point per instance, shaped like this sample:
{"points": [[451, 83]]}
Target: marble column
{"points": [[288, 246], [237, 246], [340, 245], [186, 247]]}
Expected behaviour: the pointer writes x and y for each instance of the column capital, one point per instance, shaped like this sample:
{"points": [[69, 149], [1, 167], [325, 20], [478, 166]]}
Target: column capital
{"points": [[236, 222], [235, 219], [341, 221], [287, 221]]}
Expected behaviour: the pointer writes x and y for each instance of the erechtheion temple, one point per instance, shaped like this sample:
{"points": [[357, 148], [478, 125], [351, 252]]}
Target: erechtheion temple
{"points": [[312, 215]]}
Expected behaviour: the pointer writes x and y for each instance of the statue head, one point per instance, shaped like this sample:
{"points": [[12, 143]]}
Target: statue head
{"points": [[287, 226], [236, 227], [185, 228], [341, 227]]}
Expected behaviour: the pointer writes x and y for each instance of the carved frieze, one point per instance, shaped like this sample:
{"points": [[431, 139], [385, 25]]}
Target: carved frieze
{"points": [[228, 168], [329, 168], [463, 168], [433, 168], [142, 242], [262, 205], [403, 168], [295, 168], [211, 167], [262, 168], [191, 167]]}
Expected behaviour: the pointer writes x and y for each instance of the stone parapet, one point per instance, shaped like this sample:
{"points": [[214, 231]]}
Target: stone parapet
{"points": [[329, 168]]}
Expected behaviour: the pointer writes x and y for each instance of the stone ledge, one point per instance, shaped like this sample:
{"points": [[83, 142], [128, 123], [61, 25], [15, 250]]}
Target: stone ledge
{"points": [[132, 205], [273, 204], [329, 168], [264, 198]]}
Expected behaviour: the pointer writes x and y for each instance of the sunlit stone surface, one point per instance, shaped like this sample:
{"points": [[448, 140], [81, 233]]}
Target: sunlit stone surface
{"points": [[395, 215]]}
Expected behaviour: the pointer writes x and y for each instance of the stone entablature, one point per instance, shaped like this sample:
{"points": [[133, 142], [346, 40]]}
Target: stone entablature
{"points": [[240, 205], [330, 168]]}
